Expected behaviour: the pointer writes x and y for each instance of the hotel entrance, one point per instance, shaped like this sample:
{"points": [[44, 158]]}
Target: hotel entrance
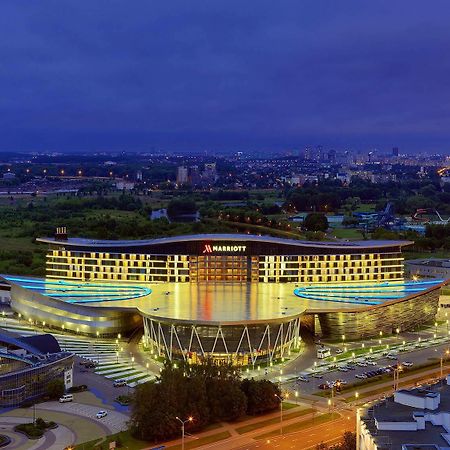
{"points": [[223, 268]]}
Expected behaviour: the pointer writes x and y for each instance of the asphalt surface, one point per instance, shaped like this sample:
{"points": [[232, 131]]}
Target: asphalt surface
{"points": [[417, 357]]}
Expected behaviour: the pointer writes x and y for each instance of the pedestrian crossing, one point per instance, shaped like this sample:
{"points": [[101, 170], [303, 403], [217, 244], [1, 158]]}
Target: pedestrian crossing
{"points": [[107, 355]]}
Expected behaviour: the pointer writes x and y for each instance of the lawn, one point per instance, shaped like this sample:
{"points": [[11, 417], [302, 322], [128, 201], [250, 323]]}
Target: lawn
{"points": [[346, 233], [127, 441], [301, 425], [266, 422], [124, 437], [203, 441]]}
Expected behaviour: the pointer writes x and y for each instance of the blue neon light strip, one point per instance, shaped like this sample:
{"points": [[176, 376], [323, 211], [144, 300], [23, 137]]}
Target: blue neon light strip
{"points": [[367, 294], [78, 292]]}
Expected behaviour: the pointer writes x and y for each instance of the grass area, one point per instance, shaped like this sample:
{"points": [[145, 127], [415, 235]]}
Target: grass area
{"points": [[301, 425], [288, 405], [346, 233], [358, 352], [261, 229], [212, 438], [365, 207], [126, 440], [124, 437], [266, 422]]}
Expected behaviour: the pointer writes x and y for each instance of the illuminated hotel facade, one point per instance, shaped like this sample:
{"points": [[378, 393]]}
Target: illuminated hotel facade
{"points": [[223, 258], [233, 297]]}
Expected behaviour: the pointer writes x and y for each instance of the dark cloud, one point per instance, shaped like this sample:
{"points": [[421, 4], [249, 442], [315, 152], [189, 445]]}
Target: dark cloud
{"points": [[108, 74]]}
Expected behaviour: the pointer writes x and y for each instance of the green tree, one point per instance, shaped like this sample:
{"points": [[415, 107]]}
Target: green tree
{"points": [[55, 388], [261, 396], [348, 441], [316, 222], [180, 206]]}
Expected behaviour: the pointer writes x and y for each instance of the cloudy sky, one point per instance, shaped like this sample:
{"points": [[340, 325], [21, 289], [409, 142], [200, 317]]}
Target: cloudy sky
{"points": [[207, 74]]}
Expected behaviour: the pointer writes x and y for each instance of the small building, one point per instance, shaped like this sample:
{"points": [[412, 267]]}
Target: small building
{"points": [[28, 364], [416, 418], [428, 267]]}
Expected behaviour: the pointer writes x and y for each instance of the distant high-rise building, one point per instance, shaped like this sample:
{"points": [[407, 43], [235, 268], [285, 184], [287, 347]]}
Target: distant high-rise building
{"points": [[210, 173], [194, 175], [320, 155], [139, 175], [395, 152], [182, 175], [308, 153], [332, 156]]}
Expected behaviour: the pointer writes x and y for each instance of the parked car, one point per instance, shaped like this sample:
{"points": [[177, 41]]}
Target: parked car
{"points": [[324, 386], [338, 351], [317, 375], [66, 398], [101, 414], [302, 378], [119, 383], [407, 363], [361, 376]]}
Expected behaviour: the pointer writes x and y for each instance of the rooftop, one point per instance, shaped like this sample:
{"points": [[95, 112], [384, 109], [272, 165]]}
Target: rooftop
{"points": [[390, 411], [431, 262], [222, 237]]}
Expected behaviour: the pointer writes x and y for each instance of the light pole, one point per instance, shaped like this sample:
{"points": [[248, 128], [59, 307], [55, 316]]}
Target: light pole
{"points": [[397, 371], [183, 422], [98, 355], [281, 409], [446, 353], [333, 387]]}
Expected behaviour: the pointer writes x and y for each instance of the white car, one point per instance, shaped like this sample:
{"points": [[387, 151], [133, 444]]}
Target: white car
{"points": [[407, 364], [317, 375], [371, 363], [361, 376], [302, 378], [101, 414]]}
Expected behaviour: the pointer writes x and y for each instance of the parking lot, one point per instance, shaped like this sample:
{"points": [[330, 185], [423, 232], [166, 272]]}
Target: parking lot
{"points": [[370, 365]]}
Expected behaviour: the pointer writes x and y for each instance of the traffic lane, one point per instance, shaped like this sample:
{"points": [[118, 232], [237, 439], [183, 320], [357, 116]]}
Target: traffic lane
{"points": [[307, 438], [417, 357]]}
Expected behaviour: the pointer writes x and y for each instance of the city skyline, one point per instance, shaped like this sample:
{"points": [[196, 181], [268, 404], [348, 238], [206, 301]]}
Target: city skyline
{"points": [[223, 76]]}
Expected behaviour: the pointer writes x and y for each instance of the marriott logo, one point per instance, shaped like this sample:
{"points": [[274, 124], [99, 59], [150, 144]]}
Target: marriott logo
{"points": [[210, 248]]}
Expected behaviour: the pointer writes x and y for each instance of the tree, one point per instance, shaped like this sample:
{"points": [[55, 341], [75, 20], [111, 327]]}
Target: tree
{"points": [[181, 206], [261, 396], [226, 399], [348, 441], [55, 388], [316, 222]]}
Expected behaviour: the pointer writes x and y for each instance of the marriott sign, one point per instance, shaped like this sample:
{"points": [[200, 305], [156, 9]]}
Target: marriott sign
{"points": [[213, 248]]}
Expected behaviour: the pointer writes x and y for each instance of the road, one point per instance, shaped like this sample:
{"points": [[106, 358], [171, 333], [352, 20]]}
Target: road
{"points": [[304, 439]]}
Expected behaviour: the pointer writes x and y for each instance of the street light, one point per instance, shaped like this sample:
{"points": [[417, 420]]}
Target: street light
{"points": [[183, 422], [397, 371], [281, 409], [446, 353]]}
